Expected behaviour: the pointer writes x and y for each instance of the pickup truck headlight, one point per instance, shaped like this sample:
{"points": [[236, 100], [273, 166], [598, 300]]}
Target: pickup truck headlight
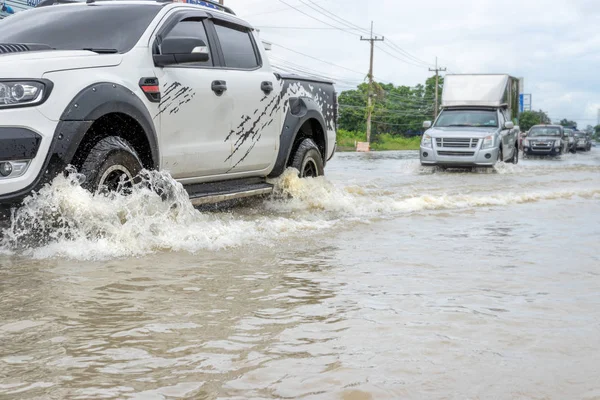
{"points": [[21, 93], [557, 143], [426, 141], [488, 142]]}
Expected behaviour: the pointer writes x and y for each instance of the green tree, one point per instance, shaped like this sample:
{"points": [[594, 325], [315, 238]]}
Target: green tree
{"points": [[566, 122], [589, 129], [597, 129], [396, 109], [527, 119]]}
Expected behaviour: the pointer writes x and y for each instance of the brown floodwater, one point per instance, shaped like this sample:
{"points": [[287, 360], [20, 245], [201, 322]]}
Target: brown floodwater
{"points": [[381, 281]]}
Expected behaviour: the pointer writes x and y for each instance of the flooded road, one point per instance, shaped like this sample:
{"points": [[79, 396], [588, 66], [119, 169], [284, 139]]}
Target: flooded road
{"points": [[382, 281]]}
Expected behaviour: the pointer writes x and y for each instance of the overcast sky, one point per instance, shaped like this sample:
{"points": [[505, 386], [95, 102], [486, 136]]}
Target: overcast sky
{"points": [[553, 44]]}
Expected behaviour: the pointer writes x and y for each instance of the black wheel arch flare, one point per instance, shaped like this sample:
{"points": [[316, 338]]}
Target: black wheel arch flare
{"points": [[87, 106], [301, 109]]}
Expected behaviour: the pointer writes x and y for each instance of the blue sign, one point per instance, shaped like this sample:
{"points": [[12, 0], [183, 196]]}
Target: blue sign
{"points": [[521, 104]]}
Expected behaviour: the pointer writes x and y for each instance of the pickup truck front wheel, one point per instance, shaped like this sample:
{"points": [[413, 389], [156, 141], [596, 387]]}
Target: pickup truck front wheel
{"points": [[111, 165], [308, 160]]}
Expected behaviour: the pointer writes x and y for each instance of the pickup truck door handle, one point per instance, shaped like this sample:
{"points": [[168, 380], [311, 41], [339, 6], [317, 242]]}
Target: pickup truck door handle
{"points": [[219, 87], [266, 87]]}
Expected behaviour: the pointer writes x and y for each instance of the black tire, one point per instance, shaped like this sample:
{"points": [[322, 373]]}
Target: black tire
{"points": [[500, 155], [308, 160], [111, 165]]}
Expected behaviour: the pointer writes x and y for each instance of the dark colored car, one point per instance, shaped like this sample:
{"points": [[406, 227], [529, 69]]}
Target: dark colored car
{"points": [[546, 140], [583, 141]]}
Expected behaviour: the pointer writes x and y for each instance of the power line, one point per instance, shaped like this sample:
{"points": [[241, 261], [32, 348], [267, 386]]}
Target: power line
{"points": [[317, 19], [297, 28], [318, 59], [334, 17], [405, 53], [400, 59], [271, 11]]}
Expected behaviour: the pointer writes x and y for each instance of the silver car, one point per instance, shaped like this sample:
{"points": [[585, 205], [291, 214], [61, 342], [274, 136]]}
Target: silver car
{"points": [[469, 137]]}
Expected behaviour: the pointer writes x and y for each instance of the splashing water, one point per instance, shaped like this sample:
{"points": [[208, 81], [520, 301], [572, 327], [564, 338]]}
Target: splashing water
{"points": [[65, 220]]}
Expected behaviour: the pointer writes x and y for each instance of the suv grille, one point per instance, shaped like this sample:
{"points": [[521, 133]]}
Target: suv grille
{"points": [[465, 143], [456, 153], [542, 145]]}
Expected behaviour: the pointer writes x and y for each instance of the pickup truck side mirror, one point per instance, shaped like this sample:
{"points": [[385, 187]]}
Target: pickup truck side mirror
{"points": [[509, 125], [427, 124], [180, 50]]}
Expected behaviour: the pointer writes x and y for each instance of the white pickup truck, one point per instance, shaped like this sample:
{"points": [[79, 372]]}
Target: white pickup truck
{"points": [[113, 87]]}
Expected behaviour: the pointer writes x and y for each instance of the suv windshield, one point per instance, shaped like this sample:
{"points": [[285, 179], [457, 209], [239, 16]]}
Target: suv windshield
{"points": [[115, 27], [544, 131], [474, 118]]}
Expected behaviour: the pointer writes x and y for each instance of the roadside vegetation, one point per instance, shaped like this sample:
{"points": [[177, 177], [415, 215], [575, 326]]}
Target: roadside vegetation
{"points": [[384, 141], [398, 113]]}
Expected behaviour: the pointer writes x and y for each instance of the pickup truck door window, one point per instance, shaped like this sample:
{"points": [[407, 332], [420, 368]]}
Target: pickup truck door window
{"points": [[256, 123], [195, 119]]}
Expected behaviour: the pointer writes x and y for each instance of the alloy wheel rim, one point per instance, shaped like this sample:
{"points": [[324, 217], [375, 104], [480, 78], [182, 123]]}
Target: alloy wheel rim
{"points": [[310, 169], [115, 178]]}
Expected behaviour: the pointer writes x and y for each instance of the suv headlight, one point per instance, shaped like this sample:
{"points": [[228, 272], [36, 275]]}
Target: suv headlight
{"points": [[22, 93], [488, 142], [426, 140], [557, 143]]}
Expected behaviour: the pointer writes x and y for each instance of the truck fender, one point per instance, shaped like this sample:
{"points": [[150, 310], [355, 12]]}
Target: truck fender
{"points": [[100, 99], [300, 110]]}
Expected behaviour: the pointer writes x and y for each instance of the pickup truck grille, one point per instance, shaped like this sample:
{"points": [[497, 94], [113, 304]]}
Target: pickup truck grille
{"points": [[542, 145], [456, 153], [464, 143]]}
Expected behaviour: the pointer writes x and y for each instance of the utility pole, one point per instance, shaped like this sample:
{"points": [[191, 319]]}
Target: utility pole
{"points": [[221, 2], [437, 85], [371, 39]]}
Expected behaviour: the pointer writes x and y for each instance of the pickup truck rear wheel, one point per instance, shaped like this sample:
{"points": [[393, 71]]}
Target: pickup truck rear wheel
{"points": [[308, 160], [111, 165]]}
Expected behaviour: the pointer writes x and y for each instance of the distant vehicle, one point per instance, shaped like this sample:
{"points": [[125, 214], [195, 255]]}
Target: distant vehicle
{"points": [[570, 133], [474, 127], [583, 141], [546, 140]]}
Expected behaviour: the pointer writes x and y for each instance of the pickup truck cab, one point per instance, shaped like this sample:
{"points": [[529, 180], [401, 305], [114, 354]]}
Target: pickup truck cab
{"points": [[546, 140], [114, 87], [474, 127]]}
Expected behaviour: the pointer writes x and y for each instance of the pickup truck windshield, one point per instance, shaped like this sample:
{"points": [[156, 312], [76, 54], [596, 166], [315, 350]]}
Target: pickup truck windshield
{"points": [[467, 118], [107, 28], [549, 131]]}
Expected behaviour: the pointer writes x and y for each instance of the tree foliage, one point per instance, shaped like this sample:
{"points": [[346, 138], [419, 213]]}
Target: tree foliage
{"points": [[570, 124], [527, 119], [396, 109]]}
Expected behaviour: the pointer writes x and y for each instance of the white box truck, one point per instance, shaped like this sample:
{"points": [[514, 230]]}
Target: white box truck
{"points": [[476, 123]]}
